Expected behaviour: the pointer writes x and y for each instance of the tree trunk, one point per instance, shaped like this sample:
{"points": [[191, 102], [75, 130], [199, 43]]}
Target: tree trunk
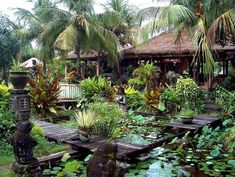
{"points": [[98, 66], [77, 51]]}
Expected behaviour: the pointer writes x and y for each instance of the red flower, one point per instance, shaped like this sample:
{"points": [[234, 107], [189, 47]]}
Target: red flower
{"points": [[226, 114]]}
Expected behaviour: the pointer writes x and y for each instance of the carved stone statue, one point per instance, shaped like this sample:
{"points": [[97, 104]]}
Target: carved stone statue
{"points": [[23, 146], [121, 98], [103, 163]]}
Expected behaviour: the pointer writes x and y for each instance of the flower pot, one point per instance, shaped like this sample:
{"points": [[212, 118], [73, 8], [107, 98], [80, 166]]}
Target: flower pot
{"points": [[84, 136], [186, 119], [19, 79]]}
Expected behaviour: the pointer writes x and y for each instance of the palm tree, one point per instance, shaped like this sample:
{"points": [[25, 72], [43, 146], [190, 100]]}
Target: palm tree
{"points": [[85, 31], [9, 47], [125, 31], [40, 25], [208, 22]]}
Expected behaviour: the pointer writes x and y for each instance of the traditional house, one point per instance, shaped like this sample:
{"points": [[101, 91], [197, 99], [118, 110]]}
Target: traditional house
{"points": [[169, 55]]}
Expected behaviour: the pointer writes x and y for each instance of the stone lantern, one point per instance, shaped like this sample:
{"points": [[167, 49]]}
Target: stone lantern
{"points": [[19, 104]]}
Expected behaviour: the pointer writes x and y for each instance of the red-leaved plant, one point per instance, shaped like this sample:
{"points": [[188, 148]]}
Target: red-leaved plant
{"points": [[44, 93]]}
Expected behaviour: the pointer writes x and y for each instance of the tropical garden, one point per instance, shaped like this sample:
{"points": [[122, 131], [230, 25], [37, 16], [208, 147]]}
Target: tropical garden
{"points": [[158, 124]]}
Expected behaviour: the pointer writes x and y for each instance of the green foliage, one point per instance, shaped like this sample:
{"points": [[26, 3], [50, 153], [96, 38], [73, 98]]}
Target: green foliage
{"points": [[7, 157], [209, 138], [136, 83], [67, 168], [230, 79], [189, 94], [151, 98], [44, 93], [7, 126], [187, 113], [92, 86], [225, 98], [169, 94], [57, 68], [109, 115], [135, 139], [44, 146], [16, 67], [144, 73], [110, 92], [230, 140], [170, 99], [9, 46], [137, 118], [133, 97], [4, 97], [86, 120]]}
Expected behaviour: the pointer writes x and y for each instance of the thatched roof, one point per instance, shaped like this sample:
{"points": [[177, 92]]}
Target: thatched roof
{"points": [[91, 56], [164, 44]]}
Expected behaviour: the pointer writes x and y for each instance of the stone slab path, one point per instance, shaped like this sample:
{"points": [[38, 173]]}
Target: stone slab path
{"points": [[57, 132]]}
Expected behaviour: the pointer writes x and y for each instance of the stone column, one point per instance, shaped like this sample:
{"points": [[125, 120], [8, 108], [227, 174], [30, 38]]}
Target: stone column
{"points": [[19, 104]]}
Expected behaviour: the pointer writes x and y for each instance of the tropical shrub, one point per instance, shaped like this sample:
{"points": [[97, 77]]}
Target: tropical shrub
{"points": [[86, 120], [44, 93], [225, 99], [189, 94], [136, 83], [143, 74], [187, 113], [133, 97], [172, 77], [92, 86], [229, 81], [170, 98], [151, 98], [4, 97], [110, 92], [109, 115], [7, 126], [230, 140], [44, 146], [57, 68]]}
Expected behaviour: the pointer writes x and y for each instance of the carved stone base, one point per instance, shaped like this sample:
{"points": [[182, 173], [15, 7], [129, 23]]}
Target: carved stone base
{"points": [[29, 170]]}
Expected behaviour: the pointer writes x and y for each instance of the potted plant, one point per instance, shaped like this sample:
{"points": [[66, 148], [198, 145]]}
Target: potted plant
{"points": [[86, 122], [18, 75], [187, 115]]}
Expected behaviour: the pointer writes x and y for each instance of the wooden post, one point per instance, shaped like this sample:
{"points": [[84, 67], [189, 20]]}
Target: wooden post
{"points": [[97, 67]]}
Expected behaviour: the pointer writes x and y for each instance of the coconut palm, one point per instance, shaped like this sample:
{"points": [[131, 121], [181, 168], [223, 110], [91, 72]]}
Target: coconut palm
{"points": [[125, 31], [40, 26], [85, 31], [207, 21], [9, 47]]}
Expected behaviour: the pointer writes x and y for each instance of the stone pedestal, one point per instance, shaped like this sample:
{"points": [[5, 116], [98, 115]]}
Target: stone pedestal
{"points": [[19, 104], [23, 145]]}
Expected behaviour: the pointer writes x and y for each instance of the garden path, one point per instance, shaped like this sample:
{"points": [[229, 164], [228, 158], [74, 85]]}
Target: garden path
{"points": [[57, 132], [198, 123]]}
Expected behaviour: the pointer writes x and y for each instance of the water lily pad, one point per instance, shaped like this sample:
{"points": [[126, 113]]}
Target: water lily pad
{"points": [[231, 162], [215, 153]]}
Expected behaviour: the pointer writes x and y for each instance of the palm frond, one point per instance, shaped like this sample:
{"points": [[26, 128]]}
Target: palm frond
{"points": [[25, 16], [223, 28], [104, 40], [176, 14], [68, 38]]}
